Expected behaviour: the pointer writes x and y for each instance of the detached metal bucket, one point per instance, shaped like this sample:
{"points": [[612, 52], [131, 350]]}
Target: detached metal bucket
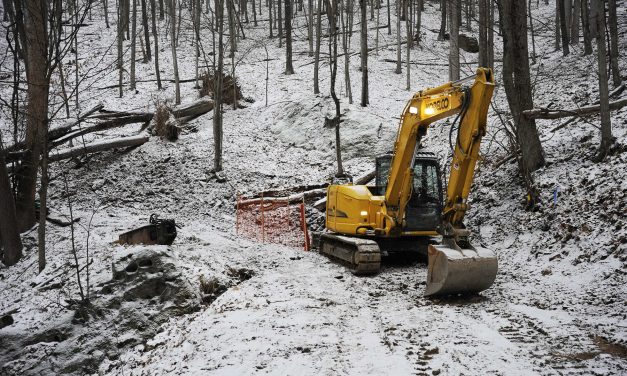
{"points": [[458, 271]]}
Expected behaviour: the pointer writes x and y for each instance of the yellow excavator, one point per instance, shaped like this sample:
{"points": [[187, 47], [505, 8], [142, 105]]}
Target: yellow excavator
{"points": [[404, 211]]}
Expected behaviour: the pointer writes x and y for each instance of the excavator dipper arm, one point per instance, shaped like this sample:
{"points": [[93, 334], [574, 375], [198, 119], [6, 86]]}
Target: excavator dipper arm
{"points": [[455, 266]]}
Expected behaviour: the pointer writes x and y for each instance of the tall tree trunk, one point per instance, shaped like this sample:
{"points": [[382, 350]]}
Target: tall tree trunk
{"points": [[197, 11], [585, 26], [153, 15], [574, 23], [564, 27], [408, 23], [418, 35], [43, 203], [270, 7], [613, 26], [255, 12], [332, 15], [175, 63], [146, 31], [558, 27], [453, 57], [105, 6], [36, 18], [345, 41], [217, 96], [9, 233], [491, 9], [280, 25], [289, 69], [398, 38], [533, 36], [517, 82], [161, 9], [364, 55], [120, 61], [317, 54], [133, 43], [310, 27], [389, 19], [442, 33], [606, 124], [232, 27], [483, 33]]}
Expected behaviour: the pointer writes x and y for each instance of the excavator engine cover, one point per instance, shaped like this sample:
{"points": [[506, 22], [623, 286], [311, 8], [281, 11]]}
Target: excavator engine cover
{"points": [[455, 270]]}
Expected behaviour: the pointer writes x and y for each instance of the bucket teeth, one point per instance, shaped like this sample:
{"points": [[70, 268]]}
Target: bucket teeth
{"points": [[459, 271]]}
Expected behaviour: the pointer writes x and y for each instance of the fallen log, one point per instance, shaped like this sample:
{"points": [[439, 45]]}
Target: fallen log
{"points": [[115, 123], [97, 147], [60, 131], [545, 113], [193, 109], [283, 192], [292, 199]]}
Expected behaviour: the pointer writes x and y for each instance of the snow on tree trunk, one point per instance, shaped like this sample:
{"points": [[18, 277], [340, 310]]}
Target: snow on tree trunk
{"points": [[606, 124], [517, 82]]}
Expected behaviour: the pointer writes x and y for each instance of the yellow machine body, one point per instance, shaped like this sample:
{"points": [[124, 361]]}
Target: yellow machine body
{"points": [[356, 211]]}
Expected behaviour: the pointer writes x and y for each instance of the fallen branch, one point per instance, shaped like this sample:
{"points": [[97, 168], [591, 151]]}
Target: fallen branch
{"points": [[98, 146], [545, 113], [57, 132], [288, 191], [114, 123], [292, 199]]}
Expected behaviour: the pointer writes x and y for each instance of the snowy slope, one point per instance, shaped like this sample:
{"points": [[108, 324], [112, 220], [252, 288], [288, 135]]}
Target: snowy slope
{"points": [[557, 307]]}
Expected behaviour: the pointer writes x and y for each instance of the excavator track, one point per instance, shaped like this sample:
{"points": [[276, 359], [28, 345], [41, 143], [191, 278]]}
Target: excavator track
{"points": [[362, 256]]}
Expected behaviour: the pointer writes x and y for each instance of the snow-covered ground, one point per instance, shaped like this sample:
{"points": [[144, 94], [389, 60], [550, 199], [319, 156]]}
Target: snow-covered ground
{"points": [[557, 306]]}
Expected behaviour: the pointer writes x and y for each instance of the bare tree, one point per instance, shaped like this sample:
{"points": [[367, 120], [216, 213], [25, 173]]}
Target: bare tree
{"points": [[612, 20], [36, 18], [217, 91], [574, 23], [606, 123], [442, 33], [585, 26], [289, 69], [280, 25], [419, 9], [483, 33], [564, 27], [271, 23], [153, 15], [533, 35], [332, 13], [120, 60], [310, 26], [408, 47], [398, 38], [345, 47], [317, 54], [148, 55], [517, 82], [491, 9], [364, 55], [453, 57], [9, 234], [557, 25], [177, 84], [133, 43]]}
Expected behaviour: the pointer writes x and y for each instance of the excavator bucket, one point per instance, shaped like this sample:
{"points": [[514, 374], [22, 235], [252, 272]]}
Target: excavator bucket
{"points": [[454, 270]]}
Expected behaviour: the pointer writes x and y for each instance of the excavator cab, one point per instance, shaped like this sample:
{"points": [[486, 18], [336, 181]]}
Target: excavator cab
{"points": [[423, 212]]}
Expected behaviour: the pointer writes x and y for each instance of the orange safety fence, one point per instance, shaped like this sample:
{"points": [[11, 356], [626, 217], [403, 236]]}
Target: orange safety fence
{"points": [[273, 220]]}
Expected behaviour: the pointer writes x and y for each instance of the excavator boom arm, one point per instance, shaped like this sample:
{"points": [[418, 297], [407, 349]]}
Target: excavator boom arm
{"points": [[424, 108]]}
